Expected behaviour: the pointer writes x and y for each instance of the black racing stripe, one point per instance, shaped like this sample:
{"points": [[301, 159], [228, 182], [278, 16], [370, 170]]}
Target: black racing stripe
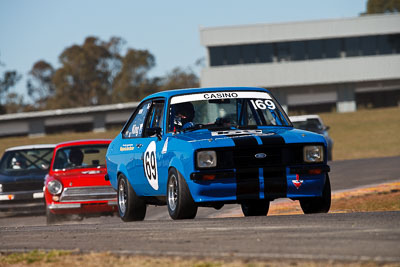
{"points": [[247, 184], [247, 179], [275, 183], [272, 139], [244, 141]]}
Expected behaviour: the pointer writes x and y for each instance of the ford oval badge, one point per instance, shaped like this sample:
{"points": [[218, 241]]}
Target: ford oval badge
{"points": [[260, 155]]}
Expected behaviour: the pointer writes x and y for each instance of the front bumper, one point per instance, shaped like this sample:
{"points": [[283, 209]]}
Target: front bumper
{"points": [[21, 199], [82, 208], [233, 185], [88, 199], [64, 206]]}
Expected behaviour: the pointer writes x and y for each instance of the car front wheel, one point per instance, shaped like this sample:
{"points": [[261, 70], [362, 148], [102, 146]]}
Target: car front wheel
{"points": [[52, 218], [318, 204], [179, 200], [130, 206]]}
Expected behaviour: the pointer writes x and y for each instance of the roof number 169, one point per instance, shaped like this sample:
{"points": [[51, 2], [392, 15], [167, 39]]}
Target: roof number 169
{"points": [[263, 104]]}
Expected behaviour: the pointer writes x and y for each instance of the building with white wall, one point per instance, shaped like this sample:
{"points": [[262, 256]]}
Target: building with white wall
{"points": [[324, 65]]}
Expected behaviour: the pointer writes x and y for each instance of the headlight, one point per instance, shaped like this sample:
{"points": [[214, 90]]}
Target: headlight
{"points": [[206, 159], [1, 188], [55, 187], [313, 154]]}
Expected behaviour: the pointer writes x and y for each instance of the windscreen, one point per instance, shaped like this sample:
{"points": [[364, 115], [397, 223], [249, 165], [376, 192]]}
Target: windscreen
{"points": [[92, 156], [225, 110], [312, 125], [26, 160]]}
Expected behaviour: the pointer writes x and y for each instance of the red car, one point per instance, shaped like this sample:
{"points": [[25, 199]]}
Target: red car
{"points": [[75, 183]]}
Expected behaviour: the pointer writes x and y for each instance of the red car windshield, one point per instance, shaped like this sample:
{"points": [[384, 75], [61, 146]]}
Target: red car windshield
{"points": [[88, 156]]}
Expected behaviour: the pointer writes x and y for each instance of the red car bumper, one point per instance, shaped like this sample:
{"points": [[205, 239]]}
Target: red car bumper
{"points": [[83, 207]]}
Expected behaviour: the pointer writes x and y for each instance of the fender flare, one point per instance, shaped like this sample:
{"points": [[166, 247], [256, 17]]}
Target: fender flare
{"points": [[122, 170], [177, 164]]}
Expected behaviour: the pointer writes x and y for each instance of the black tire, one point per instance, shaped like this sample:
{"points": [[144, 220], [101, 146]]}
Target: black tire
{"points": [[330, 157], [52, 218], [179, 200], [255, 207], [130, 206], [318, 204]]}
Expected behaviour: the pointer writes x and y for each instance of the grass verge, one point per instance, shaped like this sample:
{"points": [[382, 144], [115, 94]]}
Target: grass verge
{"points": [[111, 260], [368, 133], [33, 257]]}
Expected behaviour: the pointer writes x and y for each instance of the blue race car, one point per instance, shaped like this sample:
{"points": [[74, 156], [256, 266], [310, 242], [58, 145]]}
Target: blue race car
{"points": [[208, 147]]}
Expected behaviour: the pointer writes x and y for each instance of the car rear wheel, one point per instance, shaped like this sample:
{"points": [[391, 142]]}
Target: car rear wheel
{"points": [[318, 204], [179, 200], [255, 208], [130, 206]]}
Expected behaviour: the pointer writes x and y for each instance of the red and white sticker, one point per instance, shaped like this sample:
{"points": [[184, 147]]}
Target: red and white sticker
{"points": [[297, 183]]}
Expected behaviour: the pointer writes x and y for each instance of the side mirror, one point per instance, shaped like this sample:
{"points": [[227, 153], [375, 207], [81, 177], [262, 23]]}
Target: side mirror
{"points": [[154, 131], [327, 128]]}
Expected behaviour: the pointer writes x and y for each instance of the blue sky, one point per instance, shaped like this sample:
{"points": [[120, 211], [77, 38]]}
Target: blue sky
{"points": [[32, 30]]}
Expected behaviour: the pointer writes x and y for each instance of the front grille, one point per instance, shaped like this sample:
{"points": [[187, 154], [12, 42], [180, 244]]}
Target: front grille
{"points": [[88, 193], [23, 186], [246, 157]]}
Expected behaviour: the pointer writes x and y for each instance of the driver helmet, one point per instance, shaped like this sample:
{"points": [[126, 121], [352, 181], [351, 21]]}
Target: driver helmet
{"points": [[16, 163], [75, 157], [184, 113]]}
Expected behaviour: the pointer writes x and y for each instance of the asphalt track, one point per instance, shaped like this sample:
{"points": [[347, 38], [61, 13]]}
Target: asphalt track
{"points": [[342, 237], [350, 237], [350, 174]]}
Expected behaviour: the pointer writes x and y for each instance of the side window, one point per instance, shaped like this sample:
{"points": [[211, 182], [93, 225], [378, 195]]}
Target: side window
{"points": [[156, 115], [135, 127]]}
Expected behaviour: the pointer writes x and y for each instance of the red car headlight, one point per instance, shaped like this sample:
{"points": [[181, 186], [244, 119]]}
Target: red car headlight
{"points": [[55, 187]]}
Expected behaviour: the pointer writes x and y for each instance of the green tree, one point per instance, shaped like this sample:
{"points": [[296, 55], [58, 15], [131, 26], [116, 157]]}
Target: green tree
{"points": [[40, 85], [383, 6], [132, 83], [96, 73], [9, 79], [84, 77], [14, 103], [180, 78], [93, 73]]}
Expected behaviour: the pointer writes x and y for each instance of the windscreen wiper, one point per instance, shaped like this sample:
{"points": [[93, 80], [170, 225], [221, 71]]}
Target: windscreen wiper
{"points": [[193, 128], [247, 127]]}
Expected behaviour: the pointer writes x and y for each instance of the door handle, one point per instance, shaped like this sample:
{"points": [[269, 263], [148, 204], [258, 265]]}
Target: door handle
{"points": [[139, 145]]}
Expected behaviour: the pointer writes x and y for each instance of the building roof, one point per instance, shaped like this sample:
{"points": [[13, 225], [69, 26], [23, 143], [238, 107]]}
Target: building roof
{"points": [[67, 111], [302, 30]]}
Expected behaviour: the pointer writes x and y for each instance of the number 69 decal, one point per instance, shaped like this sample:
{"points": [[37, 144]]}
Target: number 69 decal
{"points": [[150, 165], [263, 104]]}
